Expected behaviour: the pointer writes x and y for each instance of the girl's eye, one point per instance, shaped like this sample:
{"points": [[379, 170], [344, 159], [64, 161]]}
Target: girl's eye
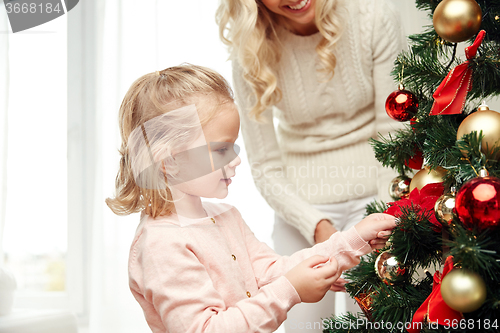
{"points": [[222, 150]]}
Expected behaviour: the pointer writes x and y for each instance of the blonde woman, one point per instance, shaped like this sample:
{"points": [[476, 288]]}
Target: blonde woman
{"points": [[321, 68]]}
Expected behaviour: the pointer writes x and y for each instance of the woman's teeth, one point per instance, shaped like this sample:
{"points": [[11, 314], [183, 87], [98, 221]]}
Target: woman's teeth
{"points": [[300, 5]]}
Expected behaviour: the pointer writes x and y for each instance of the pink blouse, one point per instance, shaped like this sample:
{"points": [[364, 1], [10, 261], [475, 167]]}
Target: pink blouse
{"points": [[213, 275]]}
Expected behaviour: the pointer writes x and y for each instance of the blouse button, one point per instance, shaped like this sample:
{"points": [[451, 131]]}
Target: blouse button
{"points": [[234, 257], [213, 220], [248, 294]]}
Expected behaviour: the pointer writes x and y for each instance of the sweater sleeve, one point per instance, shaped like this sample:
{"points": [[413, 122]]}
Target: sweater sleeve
{"points": [[179, 288], [264, 156], [345, 246], [387, 42]]}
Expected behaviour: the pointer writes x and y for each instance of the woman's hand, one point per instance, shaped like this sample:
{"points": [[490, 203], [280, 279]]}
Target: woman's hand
{"points": [[324, 229]]}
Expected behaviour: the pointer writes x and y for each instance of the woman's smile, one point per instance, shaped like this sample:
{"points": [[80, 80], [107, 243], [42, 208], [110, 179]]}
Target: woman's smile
{"points": [[299, 7]]}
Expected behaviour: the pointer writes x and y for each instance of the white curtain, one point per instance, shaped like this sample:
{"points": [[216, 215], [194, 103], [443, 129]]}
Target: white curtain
{"points": [[4, 103]]}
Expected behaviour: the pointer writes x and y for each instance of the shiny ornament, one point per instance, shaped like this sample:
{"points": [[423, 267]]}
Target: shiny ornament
{"points": [[400, 187], [416, 161], [388, 268], [427, 176], [484, 120], [457, 20], [478, 203], [401, 105], [444, 209], [463, 290], [365, 302]]}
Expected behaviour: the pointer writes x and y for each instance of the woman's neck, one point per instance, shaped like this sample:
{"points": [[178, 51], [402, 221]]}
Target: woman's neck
{"points": [[303, 29]]}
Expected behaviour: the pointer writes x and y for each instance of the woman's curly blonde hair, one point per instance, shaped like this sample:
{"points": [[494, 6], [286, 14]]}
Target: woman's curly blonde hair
{"points": [[249, 29]]}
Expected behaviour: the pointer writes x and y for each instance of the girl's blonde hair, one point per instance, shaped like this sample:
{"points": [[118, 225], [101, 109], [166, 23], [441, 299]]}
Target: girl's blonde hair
{"points": [[249, 29], [153, 112]]}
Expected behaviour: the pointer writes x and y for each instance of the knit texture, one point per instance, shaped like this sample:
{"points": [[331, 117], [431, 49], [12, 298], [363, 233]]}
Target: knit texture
{"points": [[319, 153], [217, 277]]}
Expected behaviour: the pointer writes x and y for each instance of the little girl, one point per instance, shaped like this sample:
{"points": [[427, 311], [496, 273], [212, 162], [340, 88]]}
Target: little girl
{"points": [[196, 266]]}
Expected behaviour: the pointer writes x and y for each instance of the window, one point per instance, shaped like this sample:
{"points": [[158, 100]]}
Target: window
{"points": [[36, 221]]}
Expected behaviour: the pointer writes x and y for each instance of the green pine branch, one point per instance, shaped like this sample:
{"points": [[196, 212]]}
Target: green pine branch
{"points": [[476, 250], [396, 149], [415, 241], [375, 207]]}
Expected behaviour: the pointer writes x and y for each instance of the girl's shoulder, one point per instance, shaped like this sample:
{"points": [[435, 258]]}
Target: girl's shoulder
{"points": [[175, 229], [174, 232], [225, 214], [218, 209]]}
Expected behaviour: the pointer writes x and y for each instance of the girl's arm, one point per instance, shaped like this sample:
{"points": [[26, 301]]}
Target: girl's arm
{"points": [[264, 156], [346, 246], [168, 280]]}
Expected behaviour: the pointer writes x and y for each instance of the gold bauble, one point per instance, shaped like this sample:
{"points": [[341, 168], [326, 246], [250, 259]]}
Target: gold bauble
{"points": [[463, 290], [400, 187], [444, 209], [457, 20], [388, 268], [427, 176], [484, 120]]}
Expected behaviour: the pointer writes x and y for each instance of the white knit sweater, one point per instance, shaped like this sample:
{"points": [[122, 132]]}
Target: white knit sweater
{"points": [[319, 153]]}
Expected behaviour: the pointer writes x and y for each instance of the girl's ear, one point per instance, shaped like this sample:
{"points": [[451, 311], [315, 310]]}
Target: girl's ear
{"points": [[169, 166]]}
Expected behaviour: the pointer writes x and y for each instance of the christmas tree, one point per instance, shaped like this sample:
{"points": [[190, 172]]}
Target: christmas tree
{"points": [[441, 269]]}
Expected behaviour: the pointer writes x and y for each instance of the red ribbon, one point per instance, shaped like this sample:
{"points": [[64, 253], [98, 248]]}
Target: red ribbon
{"points": [[449, 97], [434, 307]]}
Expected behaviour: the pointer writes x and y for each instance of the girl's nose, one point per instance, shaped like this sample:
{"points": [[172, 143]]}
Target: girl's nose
{"points": [[234, 163]]}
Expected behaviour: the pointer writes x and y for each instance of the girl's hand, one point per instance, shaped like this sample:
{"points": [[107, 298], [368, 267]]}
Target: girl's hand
{"points": [[313, 277], [339, 285], [376, 228]]}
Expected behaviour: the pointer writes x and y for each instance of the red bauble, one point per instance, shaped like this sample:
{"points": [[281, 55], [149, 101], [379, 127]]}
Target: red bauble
{"points": [[478, 203], [416, 161], [401, 105]]}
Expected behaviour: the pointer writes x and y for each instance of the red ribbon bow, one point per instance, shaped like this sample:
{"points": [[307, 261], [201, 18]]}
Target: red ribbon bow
{"points": [[434, 307], [449, 97]]}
